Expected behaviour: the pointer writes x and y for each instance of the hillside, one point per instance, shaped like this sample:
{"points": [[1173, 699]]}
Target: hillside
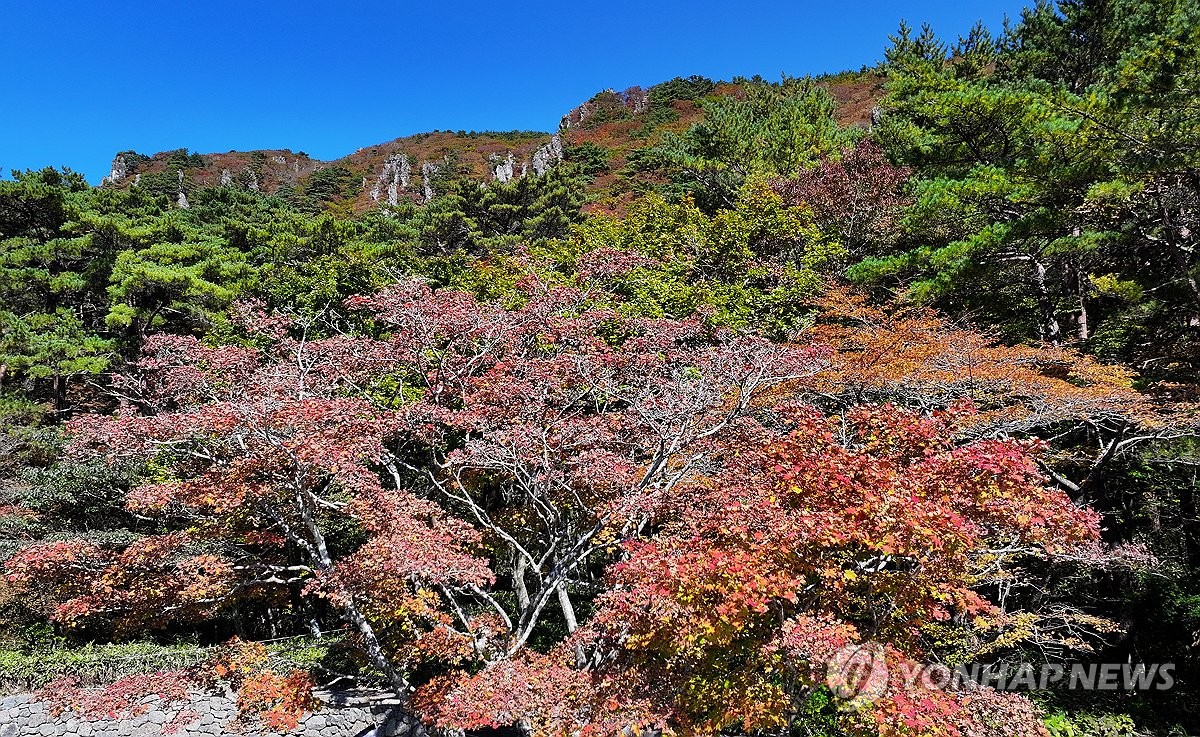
{"points": [[620, 124], [698, 415]]}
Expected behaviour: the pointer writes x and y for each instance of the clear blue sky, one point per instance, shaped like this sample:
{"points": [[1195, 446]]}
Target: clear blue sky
{"points": [[80, 81]]}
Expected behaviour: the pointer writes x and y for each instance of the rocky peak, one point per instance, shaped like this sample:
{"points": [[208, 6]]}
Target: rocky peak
{"points": [[120, 170], [505, 169], [635, 100], [182, 200]]}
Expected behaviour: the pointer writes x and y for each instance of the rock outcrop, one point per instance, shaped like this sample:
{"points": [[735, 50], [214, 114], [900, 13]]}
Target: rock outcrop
{"points": [[396, 175], [428, 170], [182, 200], [119, 170], [634, 100], [503, 168], [548, 156]]}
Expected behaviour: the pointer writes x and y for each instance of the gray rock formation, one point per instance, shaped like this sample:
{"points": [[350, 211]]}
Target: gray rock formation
{"points": [[396, 175], [182, 199], [577, 116], [548, 156], [209, 715], [637, 99], [428, 169], [226, 178], [120, 170], [503, 167]]}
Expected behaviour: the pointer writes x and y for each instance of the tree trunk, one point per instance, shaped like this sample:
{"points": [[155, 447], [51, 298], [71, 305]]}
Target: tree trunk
{"points": [[375, 650], [1081, 285], [59, 387], [519, 585], [564, 601], [1048, 330], [568, 610]]}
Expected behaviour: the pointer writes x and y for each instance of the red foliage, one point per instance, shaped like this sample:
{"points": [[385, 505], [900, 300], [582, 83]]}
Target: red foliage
{"points": [[278, 700], [857, 198], [609, 263], [809, 533], [17, 512], [545, 693], [495, 463], [121, 699], [180, 721]]}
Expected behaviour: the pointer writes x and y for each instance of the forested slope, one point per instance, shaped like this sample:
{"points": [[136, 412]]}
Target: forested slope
{"points": [[639, 424]]}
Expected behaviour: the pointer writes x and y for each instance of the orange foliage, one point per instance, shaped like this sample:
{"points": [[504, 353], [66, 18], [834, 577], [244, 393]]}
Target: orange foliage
{"points": [[913, 356], [279, 700]]}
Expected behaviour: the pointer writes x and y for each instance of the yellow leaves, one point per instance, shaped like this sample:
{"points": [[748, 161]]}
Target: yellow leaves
{"points": [[1110, 285]]}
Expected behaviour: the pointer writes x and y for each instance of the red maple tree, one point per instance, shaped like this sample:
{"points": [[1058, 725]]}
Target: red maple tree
{"points": [[454, 488]]}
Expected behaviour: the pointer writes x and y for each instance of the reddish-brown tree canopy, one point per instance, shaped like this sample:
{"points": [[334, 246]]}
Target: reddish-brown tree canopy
{"points": [[456, 486]]}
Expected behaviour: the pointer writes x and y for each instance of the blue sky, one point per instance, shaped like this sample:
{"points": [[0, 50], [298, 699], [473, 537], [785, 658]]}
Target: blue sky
{"points": [[80, 81]]}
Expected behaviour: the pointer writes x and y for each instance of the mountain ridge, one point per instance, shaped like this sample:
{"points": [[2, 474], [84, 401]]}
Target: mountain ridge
{"points": [[404, 168]]}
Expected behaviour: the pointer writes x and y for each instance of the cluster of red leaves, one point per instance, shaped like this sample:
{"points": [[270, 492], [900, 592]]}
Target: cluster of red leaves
{"points": [[123, 698], [258, 441], [912, 356], [16, 512], [574, 432], [153, 578], [610, 263], [278, 700], [404, 547], [754, 536], [857, 198], [544, 693], [59, 570], [66, 557], [180, 721], [910, 706], [773, 564]]}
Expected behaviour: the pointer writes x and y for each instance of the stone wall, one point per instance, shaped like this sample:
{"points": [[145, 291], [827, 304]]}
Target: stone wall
{"points": [[341, 715]]}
